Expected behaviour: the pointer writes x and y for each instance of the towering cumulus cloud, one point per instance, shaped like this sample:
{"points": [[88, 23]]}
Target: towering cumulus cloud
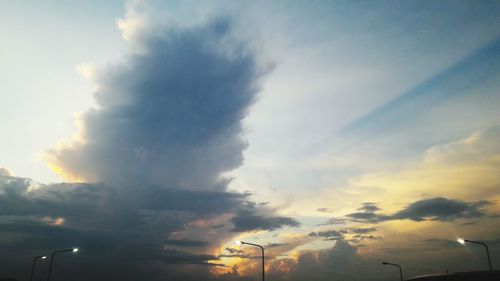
{"points": [[169, 115], [151, 157]]}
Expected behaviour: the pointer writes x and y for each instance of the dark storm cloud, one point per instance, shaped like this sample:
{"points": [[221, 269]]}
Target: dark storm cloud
{"points": [[172, 256], [95, 206], [247, 220], [73, 200], [166, 127], [436, 209], [91, 212], [170, 115], [108, 224], [186, 243]]}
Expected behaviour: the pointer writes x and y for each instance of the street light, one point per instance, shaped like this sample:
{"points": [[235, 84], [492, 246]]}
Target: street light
{"points": [[400, 270], [74, 250], [261, 248], [34, 263], [463, 241]]}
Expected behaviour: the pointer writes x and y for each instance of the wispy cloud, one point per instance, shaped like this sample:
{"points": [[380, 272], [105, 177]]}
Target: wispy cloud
{"points": [[472, 70]]}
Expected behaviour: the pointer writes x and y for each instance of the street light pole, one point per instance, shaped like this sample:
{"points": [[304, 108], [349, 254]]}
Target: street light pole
{"points": [[463, 241], [400, 270], [262, 249], [74, 250], [33, 265]]}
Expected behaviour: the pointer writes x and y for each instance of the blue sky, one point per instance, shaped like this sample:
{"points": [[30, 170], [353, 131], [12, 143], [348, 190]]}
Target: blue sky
{"points": [[298, 115]]}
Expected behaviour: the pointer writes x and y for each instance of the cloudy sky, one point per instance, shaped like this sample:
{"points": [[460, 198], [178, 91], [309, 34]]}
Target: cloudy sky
{"points": [[337, 134]]}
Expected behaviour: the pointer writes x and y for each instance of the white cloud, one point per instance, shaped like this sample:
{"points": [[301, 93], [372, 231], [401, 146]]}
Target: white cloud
{"points": [[86, 70], [135, 22], [5, 172]]}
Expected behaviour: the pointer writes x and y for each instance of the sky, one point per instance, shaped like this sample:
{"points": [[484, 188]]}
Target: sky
{"points": [[337, 134]]}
